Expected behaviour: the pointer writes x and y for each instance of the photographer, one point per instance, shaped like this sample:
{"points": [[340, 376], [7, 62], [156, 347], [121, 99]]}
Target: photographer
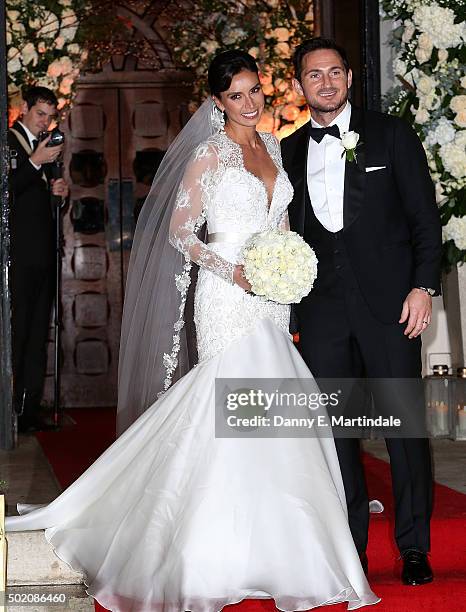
{"points": [[32, 249]]}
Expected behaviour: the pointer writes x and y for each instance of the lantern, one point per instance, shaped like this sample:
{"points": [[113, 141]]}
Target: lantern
{"points": [[438, 391], [459, 404]]}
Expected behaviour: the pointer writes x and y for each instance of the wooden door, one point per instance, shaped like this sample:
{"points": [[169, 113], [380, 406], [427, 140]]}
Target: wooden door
{"points": [[115, 139]]}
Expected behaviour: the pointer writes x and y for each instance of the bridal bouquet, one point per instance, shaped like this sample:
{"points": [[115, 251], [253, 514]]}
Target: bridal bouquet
{"points": [[280, 266]]}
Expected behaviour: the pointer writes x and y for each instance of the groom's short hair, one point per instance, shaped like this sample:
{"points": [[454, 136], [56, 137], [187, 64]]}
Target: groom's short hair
{"points": [[314, 44]]}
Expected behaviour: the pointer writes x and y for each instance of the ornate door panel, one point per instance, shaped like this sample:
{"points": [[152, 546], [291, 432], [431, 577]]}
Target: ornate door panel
{"points": [[91, 288], [150, 121], [116, 137]]}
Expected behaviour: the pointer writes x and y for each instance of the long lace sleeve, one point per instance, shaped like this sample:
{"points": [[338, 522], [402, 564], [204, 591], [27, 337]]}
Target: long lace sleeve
{"points": [[189, 214]]}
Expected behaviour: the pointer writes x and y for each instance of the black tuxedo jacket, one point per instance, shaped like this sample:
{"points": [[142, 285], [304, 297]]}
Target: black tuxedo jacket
{"points": [[32, 228], [392, 229]]}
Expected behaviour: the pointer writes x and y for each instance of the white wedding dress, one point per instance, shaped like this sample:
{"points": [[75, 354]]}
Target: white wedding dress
{"points": [[171, 518]]}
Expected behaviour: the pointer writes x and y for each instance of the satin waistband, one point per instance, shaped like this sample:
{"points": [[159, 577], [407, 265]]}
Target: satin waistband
{"points": [[230, 237]]}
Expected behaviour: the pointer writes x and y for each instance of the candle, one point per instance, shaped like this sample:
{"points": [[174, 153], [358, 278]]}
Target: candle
{"points": [[441, 418], [461, 423]]}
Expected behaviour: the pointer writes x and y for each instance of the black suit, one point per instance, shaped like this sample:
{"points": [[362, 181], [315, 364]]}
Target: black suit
{"points": [[390, 243], [32, 274]]}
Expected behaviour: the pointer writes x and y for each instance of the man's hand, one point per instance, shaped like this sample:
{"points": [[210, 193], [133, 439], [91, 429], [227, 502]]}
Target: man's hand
{"points": [[417, 310], [240, 279], [59, 188], [44, 154]]}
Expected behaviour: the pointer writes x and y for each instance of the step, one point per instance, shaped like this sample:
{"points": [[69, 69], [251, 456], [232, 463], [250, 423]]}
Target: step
{"points": [[31, 561]]}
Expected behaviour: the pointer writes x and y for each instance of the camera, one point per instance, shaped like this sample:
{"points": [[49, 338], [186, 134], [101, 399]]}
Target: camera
{"points": [[57, 137]]}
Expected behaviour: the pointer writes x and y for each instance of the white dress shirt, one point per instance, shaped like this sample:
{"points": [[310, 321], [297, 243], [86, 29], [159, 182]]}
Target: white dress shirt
{"points": [[31, 139], [326, 174]]}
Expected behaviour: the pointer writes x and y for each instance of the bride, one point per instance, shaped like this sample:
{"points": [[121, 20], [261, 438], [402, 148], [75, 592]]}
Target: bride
{"points": [[172, 518]]}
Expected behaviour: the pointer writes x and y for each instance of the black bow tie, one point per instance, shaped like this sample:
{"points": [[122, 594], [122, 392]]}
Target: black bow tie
{"points": [[318, 133], [35, 144]]}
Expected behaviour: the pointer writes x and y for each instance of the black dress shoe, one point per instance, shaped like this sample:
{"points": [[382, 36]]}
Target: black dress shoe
{"points": [[416, 568], [364, 562]]}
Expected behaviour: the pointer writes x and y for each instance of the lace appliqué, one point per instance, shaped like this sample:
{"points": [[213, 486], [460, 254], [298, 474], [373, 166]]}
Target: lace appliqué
{"points": [[183, 198], [170, 360], [218, 190], [182, 282]]}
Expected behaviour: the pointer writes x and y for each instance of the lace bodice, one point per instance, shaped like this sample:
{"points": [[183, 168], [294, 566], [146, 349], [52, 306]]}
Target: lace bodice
{"points": [[218, 190]]}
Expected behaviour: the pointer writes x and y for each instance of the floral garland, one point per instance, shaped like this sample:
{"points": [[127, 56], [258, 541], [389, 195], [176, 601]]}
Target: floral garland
{"points": [[43, 47], [267, 29], [430, 61]]}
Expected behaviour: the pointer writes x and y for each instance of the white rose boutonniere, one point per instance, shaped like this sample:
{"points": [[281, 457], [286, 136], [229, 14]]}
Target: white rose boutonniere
{"points": [[349, 142]]}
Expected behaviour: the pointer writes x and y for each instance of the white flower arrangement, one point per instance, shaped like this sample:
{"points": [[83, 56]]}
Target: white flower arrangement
{"points": [[453, 158], [280, 266], [43, 48], [268, 30], [428, 40], [438, 23], [455, 230], [442, 134]]}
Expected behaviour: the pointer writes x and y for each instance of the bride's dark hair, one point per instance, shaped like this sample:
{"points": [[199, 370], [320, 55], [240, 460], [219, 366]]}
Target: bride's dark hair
{"points": [[225, 66]]}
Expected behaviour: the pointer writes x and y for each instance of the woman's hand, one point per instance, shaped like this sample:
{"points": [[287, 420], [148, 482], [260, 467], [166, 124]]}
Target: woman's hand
{"points": [[240, 279]]}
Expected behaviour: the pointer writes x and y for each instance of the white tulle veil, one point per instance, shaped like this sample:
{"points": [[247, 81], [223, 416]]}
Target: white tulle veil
{"points": [[158, 343]]}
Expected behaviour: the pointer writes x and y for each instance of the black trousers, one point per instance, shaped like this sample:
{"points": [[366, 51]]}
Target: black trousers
{"points": [[32, 289], [339, 337]]}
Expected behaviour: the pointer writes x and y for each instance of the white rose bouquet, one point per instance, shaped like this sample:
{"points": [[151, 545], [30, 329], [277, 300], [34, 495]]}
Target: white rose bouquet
{"points": [[280, 266]]}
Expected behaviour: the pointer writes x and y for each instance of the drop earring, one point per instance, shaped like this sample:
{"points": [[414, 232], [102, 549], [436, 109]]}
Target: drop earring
{"points": [[218, 118]]}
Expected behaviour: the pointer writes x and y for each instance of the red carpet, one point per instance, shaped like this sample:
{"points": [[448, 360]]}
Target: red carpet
{"points": [[73, 449]]}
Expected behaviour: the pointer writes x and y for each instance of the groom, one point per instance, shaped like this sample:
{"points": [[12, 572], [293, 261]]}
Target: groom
{"points": [[374, 225]]}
